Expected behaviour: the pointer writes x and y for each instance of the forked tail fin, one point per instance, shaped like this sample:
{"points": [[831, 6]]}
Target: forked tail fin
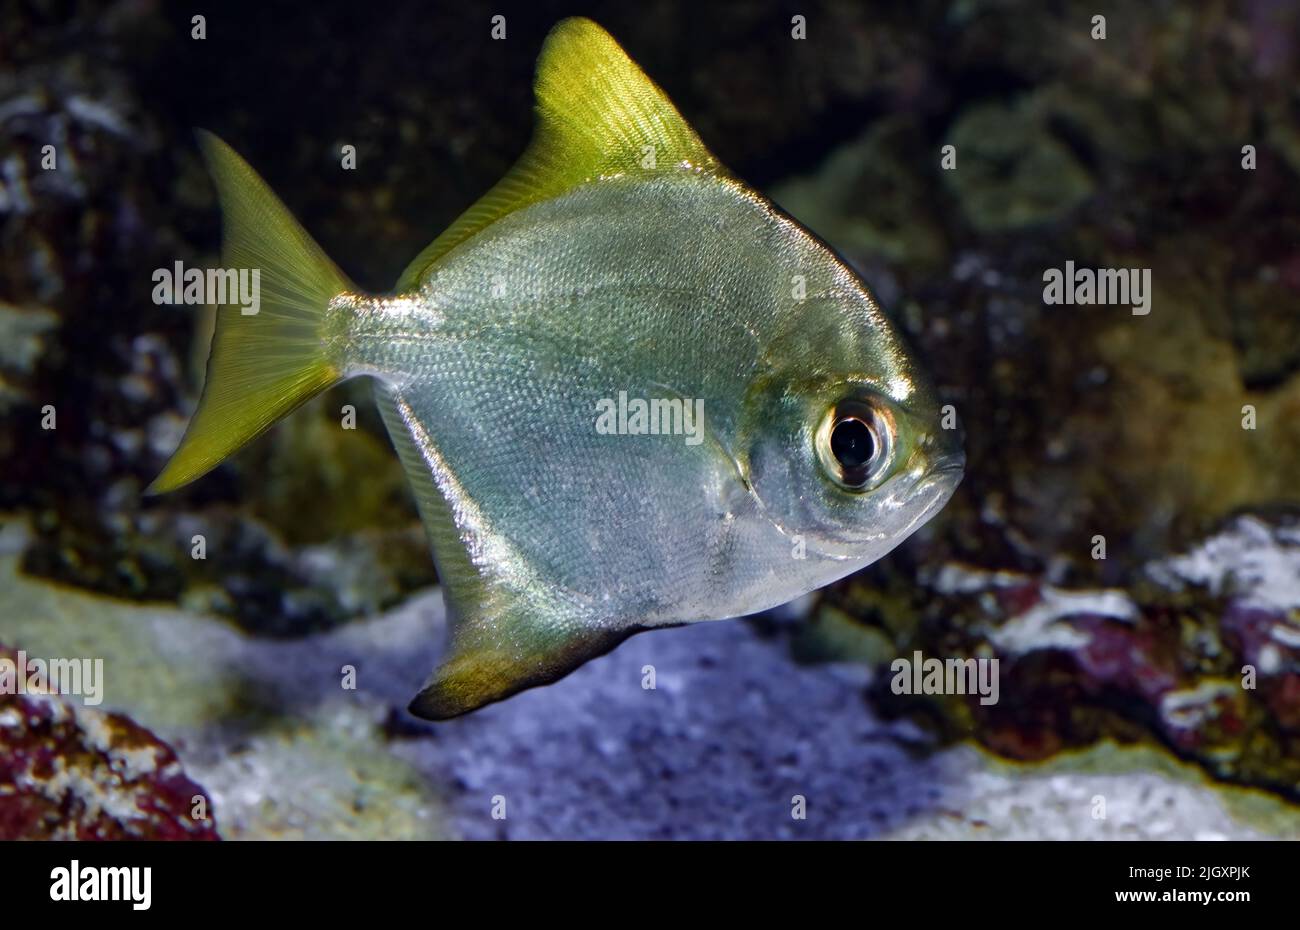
{"points": [[266, 363]]}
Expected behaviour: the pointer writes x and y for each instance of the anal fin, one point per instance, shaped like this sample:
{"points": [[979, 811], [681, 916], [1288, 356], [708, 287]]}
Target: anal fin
{"points": [[510, 629], [477, 674]]}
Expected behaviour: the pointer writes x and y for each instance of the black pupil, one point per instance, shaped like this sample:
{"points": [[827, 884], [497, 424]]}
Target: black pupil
{"points": [[852, 443]]}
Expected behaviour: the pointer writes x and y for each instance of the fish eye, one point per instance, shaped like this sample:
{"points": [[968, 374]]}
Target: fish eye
{"points": [[853, 444]]}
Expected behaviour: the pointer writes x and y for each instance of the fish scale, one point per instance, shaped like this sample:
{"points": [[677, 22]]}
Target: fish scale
{"points": [[506, 431], [617, 264]]}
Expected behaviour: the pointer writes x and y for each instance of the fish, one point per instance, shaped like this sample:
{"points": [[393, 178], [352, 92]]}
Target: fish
{"points": [[628, 391]]}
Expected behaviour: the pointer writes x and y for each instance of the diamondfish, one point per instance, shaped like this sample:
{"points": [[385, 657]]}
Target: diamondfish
{"points": [[616, 269]]}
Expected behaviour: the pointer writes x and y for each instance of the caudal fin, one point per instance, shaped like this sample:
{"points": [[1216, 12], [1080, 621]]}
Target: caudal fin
{"points": [[265, 364]]}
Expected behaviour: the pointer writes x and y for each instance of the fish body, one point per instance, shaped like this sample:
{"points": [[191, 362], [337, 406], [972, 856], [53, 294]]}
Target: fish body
{"points": [[629, 391]]}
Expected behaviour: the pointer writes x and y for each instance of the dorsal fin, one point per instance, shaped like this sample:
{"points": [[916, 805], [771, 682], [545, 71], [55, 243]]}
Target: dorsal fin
{"points": [[597, 115]]}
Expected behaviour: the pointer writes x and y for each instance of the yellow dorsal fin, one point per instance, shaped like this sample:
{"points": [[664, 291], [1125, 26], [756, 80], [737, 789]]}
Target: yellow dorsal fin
{"points": [[598, 115]]}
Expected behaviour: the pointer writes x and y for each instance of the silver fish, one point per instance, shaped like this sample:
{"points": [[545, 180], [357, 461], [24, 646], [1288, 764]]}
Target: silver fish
{"points": [[628, 391]]}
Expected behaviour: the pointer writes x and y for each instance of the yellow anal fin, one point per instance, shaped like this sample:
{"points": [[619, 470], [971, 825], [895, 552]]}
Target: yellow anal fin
{"points": [[481, 671]]}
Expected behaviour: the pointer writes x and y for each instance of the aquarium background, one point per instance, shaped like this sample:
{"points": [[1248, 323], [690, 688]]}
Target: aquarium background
{"points": [[1153, 692]]}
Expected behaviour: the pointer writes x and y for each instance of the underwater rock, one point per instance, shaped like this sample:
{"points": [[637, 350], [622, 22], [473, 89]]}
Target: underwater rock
{"points": [[233, 563], [1012, 173], [881, 170], [1203, 657], [22, 341], [70, 771], [283, 746]]}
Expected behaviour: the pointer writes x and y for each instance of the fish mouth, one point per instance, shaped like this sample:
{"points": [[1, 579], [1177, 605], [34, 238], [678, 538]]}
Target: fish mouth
{"points": [[954, 463], [937, 485]]}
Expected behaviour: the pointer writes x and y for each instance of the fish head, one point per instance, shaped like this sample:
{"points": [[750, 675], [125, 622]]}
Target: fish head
{"points": [[848, 446]]}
